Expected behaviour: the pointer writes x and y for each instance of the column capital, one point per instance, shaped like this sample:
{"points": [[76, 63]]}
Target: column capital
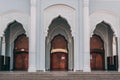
{"points": [[86, 3]]}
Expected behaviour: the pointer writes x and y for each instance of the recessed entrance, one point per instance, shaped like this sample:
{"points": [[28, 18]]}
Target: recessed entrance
{"points": [[59, 46], [59, 53], [103, 48]]}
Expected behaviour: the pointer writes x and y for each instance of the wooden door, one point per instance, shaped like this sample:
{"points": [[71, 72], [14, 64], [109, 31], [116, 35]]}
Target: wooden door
{"points": [[59, 61], [97, 53], [21, 61], [21, 53], [59, 55], [97, 61], [93, 61]]}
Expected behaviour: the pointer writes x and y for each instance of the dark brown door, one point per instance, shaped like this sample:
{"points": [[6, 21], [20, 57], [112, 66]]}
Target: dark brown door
{"points": [[97, 61], [59, 55], [97, 53], [21, 61], [21, 53]]}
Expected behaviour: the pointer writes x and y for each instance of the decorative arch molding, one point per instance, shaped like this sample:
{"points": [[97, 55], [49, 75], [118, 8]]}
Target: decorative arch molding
{"points": [[20, 30], [71, 6], [106, 32], [62, 26], [59, 9], [12, 15], [59, 25], [13, 30], [69, 3], [107, 17]]}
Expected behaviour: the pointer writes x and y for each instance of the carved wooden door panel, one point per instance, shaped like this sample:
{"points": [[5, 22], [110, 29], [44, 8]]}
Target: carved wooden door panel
{"points": [[59, 61], [21, 61], [18, 62], [63, 61], [92, 61], [97, 61], [54, 61]]}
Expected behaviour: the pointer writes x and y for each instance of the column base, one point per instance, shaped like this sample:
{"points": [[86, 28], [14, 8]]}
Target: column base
{"points": [[32, 69], [86, 69]]}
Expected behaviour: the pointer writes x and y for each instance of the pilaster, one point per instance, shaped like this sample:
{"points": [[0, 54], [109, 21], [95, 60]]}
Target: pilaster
{"points": [[32, 40], [86, 67]]}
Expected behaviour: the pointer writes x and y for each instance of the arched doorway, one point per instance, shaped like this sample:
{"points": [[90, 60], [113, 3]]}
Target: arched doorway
{"points": [[59, 30], [59, 53], [104, 42], [13, 30], [96, 53], [21, 53]]}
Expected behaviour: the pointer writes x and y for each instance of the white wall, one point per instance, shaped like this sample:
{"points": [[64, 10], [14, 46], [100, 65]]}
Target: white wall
{"points": [[106, 5], [48, 3], [10, 17], [20, 5]]}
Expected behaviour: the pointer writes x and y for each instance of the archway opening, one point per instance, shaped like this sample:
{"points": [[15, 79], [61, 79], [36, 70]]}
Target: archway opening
{"points": [[11, 34], [105, 41], [59, 32]]}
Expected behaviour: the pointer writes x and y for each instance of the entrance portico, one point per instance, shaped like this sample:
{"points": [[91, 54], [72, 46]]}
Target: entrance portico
{"points": [[42, 32]]}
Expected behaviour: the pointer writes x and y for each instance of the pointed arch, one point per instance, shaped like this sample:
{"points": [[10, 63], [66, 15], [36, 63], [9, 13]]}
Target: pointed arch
{"points": [[59, 25], [13, 30], [106, 33], [108, 17]]}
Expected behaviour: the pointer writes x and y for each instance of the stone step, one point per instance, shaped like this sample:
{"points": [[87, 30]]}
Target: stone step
{"points": [[60, 76]]}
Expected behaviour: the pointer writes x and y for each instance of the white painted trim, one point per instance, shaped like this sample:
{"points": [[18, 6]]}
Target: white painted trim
{"points": [[58, 50]]}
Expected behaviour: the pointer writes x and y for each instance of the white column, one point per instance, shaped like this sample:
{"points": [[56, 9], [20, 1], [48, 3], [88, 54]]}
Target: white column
{"points": [[76, 52], [86, 67], [81, 28], [32, 40], [3, 47], [77, 40], [118, 54], [41, 34]]}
